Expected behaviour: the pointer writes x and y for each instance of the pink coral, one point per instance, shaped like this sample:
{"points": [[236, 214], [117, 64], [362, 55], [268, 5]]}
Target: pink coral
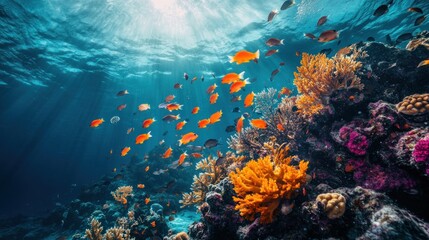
{"points": [[421, 151], [356, 142]]}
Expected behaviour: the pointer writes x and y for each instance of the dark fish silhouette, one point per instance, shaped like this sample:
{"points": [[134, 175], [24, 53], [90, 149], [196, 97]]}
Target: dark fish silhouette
{"points": [[211, 143], [381, 10], [274, 42], [122, 93], [272, 15], [287, 4], [310, 35], [236, 109], [389, 40], [230, 128], [322, 20], [415, 9], [404, 37], [186, 76], [419, 20], [274, 73]]}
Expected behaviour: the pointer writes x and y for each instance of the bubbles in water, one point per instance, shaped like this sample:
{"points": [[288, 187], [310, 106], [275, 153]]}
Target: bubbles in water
{"points": [[114, 119]]}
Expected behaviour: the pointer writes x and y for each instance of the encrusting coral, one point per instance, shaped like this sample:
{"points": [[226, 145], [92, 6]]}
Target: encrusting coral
{"points": [[334, 204], [319, 76], [214, 170], [262, 184], [121, 194]]}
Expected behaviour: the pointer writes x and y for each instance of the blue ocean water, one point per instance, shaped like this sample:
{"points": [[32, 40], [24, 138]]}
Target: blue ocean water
{"points": [[62, 63]]}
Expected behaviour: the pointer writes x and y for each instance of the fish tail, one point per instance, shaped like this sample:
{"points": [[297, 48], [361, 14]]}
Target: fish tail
{"points": [[180, 142], [257, 54], [148, 134], [282, 42], [246, 81], [178, 116], [241, 75], [231, 59]]}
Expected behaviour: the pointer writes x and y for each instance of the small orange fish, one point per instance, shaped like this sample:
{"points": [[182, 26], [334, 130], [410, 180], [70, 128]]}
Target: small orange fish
{"points": [[130, 130], [237, 86], [147, 200], [348, 168], [239, 126], [297, 53], [248, 100], [284, 91], [351, 98], [96, 122], [211, 89], [125, 150], [195, 110], [167, 153], [121, 107], [280, 127], [423, 63], [187, 138], [146, 168], [215, 117], [182, 158], [232, 78], [180, 125], [213, 98], [146, 123], [304, 192], [169, 98], [203, 123], [144, 107], [258, 123], [153, 224], [244, 56], [197, 155], [174, 106], [140, 185], [140, 139]]}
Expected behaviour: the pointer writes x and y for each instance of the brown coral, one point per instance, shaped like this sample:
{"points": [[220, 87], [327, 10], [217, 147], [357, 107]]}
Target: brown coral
{"points": [[318, 76], [116, 233], [334, 204], [261, 185], [121, 194], [95, 232], [414, 104], [181, 236]]}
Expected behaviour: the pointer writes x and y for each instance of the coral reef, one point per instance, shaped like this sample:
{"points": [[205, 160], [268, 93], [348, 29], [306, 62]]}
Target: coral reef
{"points": [[334, 204], [121, 194], [261, 185], [115, 233]]}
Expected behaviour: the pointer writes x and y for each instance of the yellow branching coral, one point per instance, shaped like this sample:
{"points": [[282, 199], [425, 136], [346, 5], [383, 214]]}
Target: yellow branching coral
{"points": [[262, 184], [213, 171], [318, 76], [121, 194]]}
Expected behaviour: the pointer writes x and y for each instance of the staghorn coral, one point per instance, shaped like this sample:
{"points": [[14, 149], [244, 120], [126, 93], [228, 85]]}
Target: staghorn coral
{"points": [[213, 171], [265, 102], [262, 184], [121, 194], [319, 76], [95, 232], [334, 204], [116, 233]]}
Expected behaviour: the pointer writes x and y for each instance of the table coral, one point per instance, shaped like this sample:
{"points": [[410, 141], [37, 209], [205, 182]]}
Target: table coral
{"points": [[262, 184]]}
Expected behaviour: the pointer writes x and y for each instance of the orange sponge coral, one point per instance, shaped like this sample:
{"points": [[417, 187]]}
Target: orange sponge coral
{"points": [[262, 184]]}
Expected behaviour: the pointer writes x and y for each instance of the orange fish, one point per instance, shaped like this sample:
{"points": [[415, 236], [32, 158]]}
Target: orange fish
{"points": [[248, 101], [280, 127], [187, 138], [96, 123], [144, 107], [284, 91], [147, 200], [174, 106], [169, 98], [237, 86], [232, 78], [125, 150], [239, 126], [213, 98], [244, 56], [258, 123], [121, 107], [146, 169], [215, 117], [182, 158], [423, 63], [180, 125], [148, 122], [140, 139], [153, 224], [203, 123], [130, 130], [167, 153], [211, 89], [197, 155], [195, 110], [348, 168], [140, 185]]}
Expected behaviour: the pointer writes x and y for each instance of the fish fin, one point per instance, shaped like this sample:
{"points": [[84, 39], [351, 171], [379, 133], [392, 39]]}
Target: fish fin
{"points": [[178, 116], [231, 59], [241, 75], [257, 54], [180, 142]]}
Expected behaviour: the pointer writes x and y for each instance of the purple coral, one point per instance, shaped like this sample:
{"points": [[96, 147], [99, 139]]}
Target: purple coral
{"points": [[421, 150], [356, 142], [381, 179]]}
